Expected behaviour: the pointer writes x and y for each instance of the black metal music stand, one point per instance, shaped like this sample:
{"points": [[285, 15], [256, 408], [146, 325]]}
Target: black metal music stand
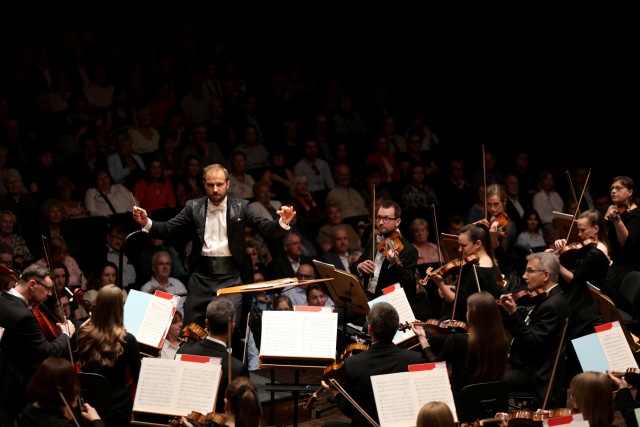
{"points": [[346, 291]]}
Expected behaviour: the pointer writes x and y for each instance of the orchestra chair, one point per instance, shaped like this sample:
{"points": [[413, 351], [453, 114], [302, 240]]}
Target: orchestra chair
{"points": [[630, 291], [482, 400], [96, 390]]}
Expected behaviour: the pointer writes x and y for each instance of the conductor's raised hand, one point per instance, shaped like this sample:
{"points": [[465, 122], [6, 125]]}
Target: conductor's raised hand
{"points": [[140, 216], [287, 213]]}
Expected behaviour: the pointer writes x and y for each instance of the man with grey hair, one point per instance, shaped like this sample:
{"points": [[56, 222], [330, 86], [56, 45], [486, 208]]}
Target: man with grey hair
{"points": [[220, 320], [161, 278], [537, 332], [23, 343], [382, 357]]}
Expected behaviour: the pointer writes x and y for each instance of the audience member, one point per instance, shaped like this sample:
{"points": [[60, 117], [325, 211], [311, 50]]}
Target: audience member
{"points": [[350, 200], [106, 199], [161, 278], [145, 139], [21, 254], [189, 185], [280, 177], [59, 252], [531, 234], [154, 191], [125, 167], [317, 171], [547, 200], [338, 253], [173, 162], [241, 182], [71, 207], [334, 218], [116, 233], [81, 168], [208, 152], [172, 340], [257, 153]]}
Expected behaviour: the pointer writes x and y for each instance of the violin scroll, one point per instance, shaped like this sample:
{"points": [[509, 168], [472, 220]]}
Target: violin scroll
{"points": [[503, 220]]}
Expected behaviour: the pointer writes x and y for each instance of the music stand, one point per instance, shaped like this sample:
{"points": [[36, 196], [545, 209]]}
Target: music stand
{"points": [[610, 313], [563, 223], [345, 290], [450, 245]]}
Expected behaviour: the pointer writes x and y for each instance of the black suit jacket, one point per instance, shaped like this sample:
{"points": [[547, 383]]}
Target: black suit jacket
{"points": [[381, 358], [535, 342], [405, 275], [280, 267], [23, 348], [332, 257], [206, 347], [191, 221]]}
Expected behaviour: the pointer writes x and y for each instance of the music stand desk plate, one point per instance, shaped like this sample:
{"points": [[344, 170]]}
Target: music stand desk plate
{"points": [[563, 224], [345, 288], [450, 245], [266, 286]]}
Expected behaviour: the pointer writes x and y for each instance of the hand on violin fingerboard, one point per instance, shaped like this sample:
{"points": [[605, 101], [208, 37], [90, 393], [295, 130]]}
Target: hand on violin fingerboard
{"points": [[560, 243], [508, 303]]}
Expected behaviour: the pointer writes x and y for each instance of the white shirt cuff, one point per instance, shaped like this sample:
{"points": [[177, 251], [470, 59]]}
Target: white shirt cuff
{"points": [[280, 221], [147, 227]]}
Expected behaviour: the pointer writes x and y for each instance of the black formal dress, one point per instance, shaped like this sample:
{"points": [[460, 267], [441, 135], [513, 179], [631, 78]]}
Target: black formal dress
{"points": [[32, 416]]}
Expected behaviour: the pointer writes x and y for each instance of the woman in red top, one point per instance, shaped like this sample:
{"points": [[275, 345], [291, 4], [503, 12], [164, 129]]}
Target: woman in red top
{"points": [[154, 191], [384, 160]]}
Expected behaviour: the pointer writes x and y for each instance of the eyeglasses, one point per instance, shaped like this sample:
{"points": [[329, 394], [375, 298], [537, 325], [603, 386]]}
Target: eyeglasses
{"points": [[305, 276], [531, 270], [49, 288], [617, 187], [384, 219]]}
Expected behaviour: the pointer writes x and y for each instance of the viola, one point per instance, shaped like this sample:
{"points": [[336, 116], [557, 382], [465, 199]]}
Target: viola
{"points": [[392, 243], [210, 419], [78, 297], [618, 210], [503, 220], [193, 332], [336, 370], [573, 250], [525, 298], [450, 267]]}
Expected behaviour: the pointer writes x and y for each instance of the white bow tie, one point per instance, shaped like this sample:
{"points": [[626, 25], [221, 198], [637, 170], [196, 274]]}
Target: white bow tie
{"points": [[214, 208]]}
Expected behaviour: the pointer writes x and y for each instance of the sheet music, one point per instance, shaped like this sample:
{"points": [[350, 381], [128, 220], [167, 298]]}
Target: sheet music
{"points": [[174, 387], [301, 334], [400, 396], [398, 299], [617, 349], [154, 324]]}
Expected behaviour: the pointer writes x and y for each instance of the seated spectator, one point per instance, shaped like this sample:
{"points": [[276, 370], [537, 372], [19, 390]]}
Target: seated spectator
{"points": [[257, 153], [263, 205], [6, 259], [334, 218], [207, 152], [178, 268], [531, 235], [309, 216], [52, 225], [189, 184], [42, 177], [298, 294], [241, 183], [282, 303], [173, 162], [145, 139], [59, 252], [71, 208], [106, 274], [428, 252], [172, 340], [106, 199], [161, 278], [349, 198], [22, 256], [417, 193], [24, 207], [116, 233], [317, 296], [278, 175], [154, 191], [125, 167]]}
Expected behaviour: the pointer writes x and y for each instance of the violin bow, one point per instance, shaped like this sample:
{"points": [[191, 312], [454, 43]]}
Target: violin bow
{"points": [[575, 214], [455, 300], [435, 228], [484, 173], [573, 191], [373, 223], [229, 349], [475, 272], [45, 244], [353, 402], [555, 364]]}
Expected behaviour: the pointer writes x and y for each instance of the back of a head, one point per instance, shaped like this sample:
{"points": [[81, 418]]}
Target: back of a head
{"points": [[592, 396], [435, 414], [384, 321], [244, 404], [220, 312], [54, 375]]}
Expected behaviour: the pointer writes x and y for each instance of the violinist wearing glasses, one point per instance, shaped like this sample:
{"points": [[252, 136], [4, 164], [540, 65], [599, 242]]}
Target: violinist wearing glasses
{"points": [[537, 332], [623, 228], [586, 260], [388, 266]]}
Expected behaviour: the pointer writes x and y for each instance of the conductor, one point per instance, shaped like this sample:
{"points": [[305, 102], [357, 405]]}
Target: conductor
{"points": [[216, 226]]}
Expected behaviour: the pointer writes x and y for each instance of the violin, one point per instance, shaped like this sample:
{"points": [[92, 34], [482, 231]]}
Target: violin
{"points": [[439, 328], [631, 376], [450, 267], [503, 221], [78, 297], [526, 298], [336, 370], [573, 250], [193, 332], [210, 419], [392, 243]]}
